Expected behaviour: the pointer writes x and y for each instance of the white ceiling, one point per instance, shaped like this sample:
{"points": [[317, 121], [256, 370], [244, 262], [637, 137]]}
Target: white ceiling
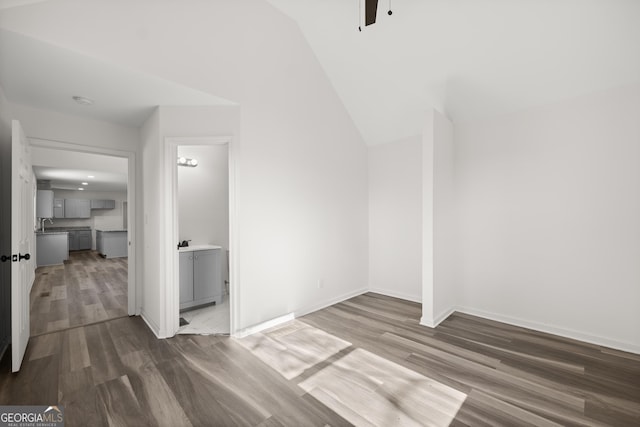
{"points": [[41, 74], [67, 170], [468, 58]]}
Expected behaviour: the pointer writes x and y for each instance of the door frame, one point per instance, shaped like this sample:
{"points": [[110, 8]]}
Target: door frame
{"points": [[134, 291], [170, 228]]}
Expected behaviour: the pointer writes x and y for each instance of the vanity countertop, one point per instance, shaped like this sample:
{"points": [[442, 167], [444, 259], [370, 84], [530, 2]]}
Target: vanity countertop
{"points": [[199, 248]]}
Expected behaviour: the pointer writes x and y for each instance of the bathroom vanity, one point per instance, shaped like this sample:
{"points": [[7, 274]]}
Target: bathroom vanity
{"points": [[200, 275]]}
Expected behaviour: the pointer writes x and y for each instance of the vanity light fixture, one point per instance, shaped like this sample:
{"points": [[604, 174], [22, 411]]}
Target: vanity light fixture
{"points": [[184, 161]]}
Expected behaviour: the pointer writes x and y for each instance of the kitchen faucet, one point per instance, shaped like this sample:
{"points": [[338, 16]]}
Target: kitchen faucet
{"points": [[43, 220]]}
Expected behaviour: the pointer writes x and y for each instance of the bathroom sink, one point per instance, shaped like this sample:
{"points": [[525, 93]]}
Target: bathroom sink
{"points": [[198, 248]]}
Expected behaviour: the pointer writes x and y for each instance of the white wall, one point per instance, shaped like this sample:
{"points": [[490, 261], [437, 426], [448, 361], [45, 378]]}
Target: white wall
{"points": [[549, 205], [445, 297], [395, 218], [412, 222], [150, 217], [439, 288], [302, 165], [54, 126], [203, 196]]}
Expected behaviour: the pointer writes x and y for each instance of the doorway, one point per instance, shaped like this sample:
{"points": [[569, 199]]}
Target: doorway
{"points": [[200, 236], [94, 192]]}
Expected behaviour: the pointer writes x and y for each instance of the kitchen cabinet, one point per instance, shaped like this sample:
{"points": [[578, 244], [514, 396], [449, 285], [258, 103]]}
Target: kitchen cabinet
{"points": [[79, 240], [44, 204], [103, 204], [112, 243], [200, 277], [51, 248], [58, 208], [77, 208]]}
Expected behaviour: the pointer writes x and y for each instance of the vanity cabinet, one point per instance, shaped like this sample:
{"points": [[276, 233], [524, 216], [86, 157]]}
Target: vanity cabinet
{"points": [[200, 277]]}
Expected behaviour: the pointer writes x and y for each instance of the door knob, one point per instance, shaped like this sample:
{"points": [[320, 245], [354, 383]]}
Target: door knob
{"points": [[5, 258], [25, 256]]}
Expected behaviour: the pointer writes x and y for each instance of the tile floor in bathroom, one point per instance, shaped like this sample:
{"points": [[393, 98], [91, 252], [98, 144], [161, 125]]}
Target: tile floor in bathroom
{"points": [[210, 320]]}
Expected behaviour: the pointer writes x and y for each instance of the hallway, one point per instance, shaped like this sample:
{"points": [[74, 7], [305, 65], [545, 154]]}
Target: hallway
{"points": [[85, 290]]}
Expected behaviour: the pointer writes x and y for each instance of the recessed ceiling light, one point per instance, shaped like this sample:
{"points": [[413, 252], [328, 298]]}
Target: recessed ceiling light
{"points": [[85, 183], [90, 176], [82, 100], [80, 188]]}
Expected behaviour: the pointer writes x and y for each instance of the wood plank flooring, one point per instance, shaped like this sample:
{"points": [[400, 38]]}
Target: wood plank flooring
{"points": [[85, 289], [365, 361]]}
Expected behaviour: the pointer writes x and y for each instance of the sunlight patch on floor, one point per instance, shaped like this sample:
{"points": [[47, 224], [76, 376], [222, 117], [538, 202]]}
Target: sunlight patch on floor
{"points": [[293, 348], [365, 389]]}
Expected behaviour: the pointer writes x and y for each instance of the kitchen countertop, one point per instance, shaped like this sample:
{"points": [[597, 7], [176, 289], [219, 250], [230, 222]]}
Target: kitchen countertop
{"points": [[199, 248], [112, 231], [43, 233], [55, 229]]}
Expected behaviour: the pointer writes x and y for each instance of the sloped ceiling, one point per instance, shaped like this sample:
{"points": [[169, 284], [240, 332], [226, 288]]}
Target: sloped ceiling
{"points": [[36, 73], [468, 58], [471, 59]]}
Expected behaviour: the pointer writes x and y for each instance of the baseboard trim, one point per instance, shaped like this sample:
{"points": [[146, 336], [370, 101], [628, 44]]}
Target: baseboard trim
{"points": [[151, 324], [399, 295], [299, 313], [264, 325], [554, 330], [432, 323], [325, 304]]}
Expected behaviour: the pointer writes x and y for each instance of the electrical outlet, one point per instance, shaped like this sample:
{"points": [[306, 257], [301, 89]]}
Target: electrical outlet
{"points": [[320, 284]]}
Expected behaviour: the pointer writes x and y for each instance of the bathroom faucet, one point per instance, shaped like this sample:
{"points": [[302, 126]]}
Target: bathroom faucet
{"points": [[43, 220]]}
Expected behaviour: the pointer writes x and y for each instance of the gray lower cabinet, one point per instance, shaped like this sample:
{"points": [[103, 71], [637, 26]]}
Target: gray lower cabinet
{"points": [[84, 240], [200, 277], [79, 240], [51, 248], [112, 243], [77, 208]]}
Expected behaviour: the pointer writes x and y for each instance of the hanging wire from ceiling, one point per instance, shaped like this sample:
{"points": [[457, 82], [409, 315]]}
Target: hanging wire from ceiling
{"points": [[389, 12]]}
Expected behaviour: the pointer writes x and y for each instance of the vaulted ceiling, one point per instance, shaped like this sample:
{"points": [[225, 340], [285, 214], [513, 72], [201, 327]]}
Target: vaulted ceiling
{"points": [[470, 59]]}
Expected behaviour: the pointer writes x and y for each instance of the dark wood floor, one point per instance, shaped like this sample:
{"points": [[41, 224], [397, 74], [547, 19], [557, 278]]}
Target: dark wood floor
{"points": [[85, 290], [117, 373]]}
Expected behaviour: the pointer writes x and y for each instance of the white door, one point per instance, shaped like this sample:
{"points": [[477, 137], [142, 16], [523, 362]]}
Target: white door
{"points": [[22, 242]]}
